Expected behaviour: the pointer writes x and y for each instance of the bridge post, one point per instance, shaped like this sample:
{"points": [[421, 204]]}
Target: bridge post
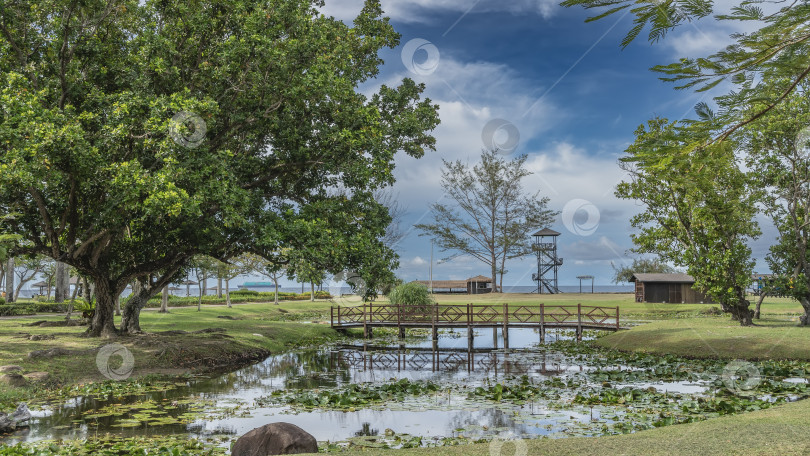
{"points": [[579, 322], [469, 325], [433, 318], [331, 316], [617, 318], [339, 324], [367, 334], [542, 323], [505, 325], [399, 322]]}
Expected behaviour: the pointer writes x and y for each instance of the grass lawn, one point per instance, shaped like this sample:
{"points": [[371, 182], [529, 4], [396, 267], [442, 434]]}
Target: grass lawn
{"points": [[780, 430], [717, 337], [250, 332], [626, 302]]}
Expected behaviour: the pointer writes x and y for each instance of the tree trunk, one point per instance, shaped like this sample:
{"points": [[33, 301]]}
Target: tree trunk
{"points": [[10, 281], [164, 300], [199, 301], [102, 323], [804, 320], [312, 291], [75, 291], [219, 287], [275, 281], [494, 277], [131, 318], [118, 305], [762, 294], [228, 292], [740, 312], [62, 283]]}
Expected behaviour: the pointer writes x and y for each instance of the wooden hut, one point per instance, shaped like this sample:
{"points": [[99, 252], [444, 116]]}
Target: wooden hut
{"points": [[474, 285], [667, 288]]}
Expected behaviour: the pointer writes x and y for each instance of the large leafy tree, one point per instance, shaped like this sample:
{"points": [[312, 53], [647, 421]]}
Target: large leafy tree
{"points": [[490, 214], [136, 135], [778, 152], [699, 212]]}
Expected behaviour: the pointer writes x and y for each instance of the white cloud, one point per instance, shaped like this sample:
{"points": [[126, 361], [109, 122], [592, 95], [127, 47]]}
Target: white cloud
{"points": [[425, 10], [417, 261]]}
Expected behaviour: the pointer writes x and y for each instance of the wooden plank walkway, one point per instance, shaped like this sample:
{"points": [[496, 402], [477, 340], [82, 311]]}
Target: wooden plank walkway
{"points": [[471, 316]]}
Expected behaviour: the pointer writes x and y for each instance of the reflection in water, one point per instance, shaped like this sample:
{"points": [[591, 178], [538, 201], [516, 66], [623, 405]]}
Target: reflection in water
{"points": [[367, 431], [225, 397]]}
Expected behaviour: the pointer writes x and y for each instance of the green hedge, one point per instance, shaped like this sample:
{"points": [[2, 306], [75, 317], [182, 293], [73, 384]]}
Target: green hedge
{"points": [[48, 307], [12, 310]]}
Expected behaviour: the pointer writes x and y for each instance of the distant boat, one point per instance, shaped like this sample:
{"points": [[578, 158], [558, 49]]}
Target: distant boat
{"points": [[256, 284]]}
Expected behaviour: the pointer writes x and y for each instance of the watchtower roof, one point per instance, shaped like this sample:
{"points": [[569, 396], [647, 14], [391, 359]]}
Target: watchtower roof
{"points": [[546, 232]]}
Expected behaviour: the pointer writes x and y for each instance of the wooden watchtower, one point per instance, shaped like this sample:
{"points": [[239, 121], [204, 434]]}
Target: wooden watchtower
{"points": [[548, 263]]}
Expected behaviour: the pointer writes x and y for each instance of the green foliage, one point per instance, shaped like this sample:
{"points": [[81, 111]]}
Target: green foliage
{"points": [[411, 294], [2, 301], [623, 274], [115, 445], [41, 307], [699, 212], [88, 126], [353, 395], [15, 310]]}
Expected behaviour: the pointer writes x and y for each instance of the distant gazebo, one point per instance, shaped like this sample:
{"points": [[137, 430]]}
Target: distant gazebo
{"points": [[43, 287], [585, 277]]}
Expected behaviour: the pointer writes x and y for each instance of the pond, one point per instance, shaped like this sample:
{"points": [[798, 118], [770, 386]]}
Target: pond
{"points": [[421, 393]]}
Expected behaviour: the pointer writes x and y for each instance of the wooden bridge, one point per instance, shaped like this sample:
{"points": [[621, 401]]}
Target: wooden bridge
{"points": [[471, 316]]}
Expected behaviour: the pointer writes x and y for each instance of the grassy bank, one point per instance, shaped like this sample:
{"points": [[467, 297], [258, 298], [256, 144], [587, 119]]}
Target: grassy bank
{"points": [[241, 334], [778, 430], [774, 337]]}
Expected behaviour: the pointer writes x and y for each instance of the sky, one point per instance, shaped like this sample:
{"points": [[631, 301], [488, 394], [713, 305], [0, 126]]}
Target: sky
{"points": [[533, 78]]}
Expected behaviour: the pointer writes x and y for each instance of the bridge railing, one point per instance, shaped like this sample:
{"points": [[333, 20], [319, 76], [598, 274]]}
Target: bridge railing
{"points": [[476, 315]]}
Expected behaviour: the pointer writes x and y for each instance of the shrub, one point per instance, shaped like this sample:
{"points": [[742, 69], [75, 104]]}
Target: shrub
{"points": [[245, 292], [40, 307], [12, 310], [2, 301], [414, 295]]}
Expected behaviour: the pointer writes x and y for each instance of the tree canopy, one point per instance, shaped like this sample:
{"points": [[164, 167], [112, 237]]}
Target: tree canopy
{"points": [[136, 135]]}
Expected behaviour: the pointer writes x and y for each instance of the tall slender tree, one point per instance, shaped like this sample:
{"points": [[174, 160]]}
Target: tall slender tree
{"points": [[490, 214]]}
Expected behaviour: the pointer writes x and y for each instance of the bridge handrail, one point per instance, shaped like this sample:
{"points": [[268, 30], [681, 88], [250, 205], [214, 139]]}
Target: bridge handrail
{"points": [[477, 314]]}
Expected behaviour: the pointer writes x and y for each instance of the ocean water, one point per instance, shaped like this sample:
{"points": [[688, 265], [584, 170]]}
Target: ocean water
{"points": [[194, 291]]}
